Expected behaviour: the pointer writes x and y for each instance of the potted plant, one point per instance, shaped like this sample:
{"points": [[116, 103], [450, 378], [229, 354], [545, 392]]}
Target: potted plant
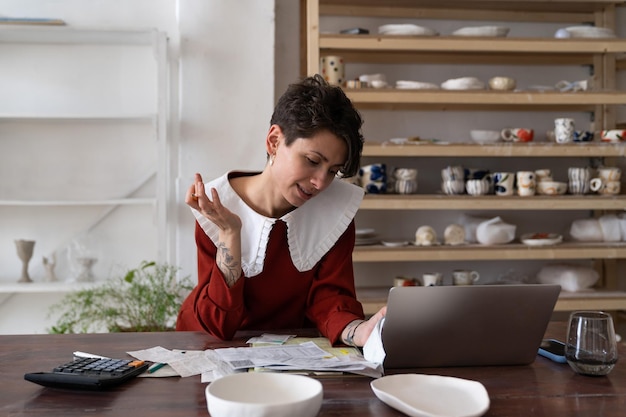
{"points": [[146, 298]]}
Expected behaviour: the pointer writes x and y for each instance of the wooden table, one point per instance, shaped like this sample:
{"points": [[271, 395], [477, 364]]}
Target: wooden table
{"points": [[541, 389]]}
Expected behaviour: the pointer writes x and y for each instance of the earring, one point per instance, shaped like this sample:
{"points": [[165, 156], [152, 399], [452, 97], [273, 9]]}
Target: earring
{"points": [[272, 159]]}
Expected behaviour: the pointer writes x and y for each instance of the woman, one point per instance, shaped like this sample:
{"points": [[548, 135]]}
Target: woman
{"points": [[275, 247]]}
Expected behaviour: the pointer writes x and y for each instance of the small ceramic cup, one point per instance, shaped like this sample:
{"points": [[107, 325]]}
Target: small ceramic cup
{"points": [[452, 173], [452, 187], [517, 134], [477, 187], [564, 130], [464, 277], [373, 178], [431, 279], [526, 183], [600, 186], [543, 175], [333, 69], [609, 173], [504, 183]]}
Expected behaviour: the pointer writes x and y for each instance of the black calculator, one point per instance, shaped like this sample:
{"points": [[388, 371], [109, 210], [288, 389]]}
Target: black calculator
{"points": [[89, 373]]}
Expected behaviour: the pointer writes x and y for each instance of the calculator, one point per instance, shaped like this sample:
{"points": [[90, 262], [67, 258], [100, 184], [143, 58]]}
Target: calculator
{"points": [[89, 373]]}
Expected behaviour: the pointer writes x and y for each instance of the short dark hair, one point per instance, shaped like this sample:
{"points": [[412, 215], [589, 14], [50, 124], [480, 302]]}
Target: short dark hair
{"points": [[312, 105]]}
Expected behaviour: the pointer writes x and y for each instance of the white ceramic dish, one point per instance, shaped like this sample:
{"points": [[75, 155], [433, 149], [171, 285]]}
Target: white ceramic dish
{"points": [[541, 239], [416, 85], [418, 395], [589, 32], [406, 29], [395, 243], [264, 394], [463, 83], [361, 233], [491, 31], [485, 137]]}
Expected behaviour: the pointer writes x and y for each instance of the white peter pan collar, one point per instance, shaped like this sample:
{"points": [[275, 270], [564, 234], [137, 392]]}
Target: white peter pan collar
{"points": [[312, 229]]}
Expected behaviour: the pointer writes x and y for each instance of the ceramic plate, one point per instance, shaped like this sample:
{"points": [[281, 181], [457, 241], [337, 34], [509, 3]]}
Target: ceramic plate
{"points": [[361, 233], [541, 239], [496, 31], [420, 395], [406, 29], [395, 243]]}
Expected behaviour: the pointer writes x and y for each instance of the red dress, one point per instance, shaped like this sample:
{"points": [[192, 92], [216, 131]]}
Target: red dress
{"points": [[280, 296]]}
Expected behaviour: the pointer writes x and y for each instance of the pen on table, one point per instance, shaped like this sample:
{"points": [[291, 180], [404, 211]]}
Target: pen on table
{"points": [[155, 367]]}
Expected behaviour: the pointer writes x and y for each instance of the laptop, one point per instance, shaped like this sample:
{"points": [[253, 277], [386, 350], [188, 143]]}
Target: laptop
{"points": [[472, 325]]}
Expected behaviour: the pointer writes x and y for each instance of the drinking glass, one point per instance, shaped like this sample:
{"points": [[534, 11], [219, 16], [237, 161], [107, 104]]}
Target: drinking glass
{"points": [[591, 347]]}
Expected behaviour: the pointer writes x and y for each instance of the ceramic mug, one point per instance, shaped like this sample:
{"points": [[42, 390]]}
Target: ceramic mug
{"points": [[453, 187], [477, 187], [406, 180], [578, 180], [431, 279], [564, 130], [526, 183], [543, 175], [504, 183], [452, 173], [600, 186], [464, 277], [609, 173], [333, 69], [373, 178], [517, 134]]}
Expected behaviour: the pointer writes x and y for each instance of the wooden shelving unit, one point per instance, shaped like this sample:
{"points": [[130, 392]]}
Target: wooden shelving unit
{"points": [[605, 56]]}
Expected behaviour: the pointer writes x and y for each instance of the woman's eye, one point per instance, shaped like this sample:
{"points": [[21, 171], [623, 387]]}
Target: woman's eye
{"points": [[312, 162]]}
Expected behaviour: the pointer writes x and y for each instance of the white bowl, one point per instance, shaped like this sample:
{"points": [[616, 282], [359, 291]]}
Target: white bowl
{"points": [[502, 83], [485, 136], [463, 83], [264, 394], [551, 188]]}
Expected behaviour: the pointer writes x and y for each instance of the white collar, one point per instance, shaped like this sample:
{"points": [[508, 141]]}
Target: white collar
{"points": [[312, 229]]}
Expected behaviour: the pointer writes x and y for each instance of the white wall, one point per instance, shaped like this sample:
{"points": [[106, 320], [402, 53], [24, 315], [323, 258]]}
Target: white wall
{"points": [[222, 86]]}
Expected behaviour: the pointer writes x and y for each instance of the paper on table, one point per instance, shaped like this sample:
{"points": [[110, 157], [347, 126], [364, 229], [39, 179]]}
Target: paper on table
{"points": [[183, 362], [373, 350]]}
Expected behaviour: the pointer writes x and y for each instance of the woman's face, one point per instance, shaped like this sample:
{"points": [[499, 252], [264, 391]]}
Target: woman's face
{"points": [[307, 166]]}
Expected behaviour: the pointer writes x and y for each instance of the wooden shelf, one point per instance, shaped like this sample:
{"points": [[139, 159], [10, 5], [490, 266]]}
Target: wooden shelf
{"points": [[374, 298], [334, 44], [476, 252], [44, 287], [396, 98], [532, 149], [511, 10], [491, 202], [81, 203]]}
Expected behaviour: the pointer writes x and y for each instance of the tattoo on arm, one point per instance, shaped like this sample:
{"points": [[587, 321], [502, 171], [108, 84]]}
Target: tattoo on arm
{"points": [[230, 267]]}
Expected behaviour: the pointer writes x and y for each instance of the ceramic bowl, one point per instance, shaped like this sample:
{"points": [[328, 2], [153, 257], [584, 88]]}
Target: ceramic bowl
{"points": [[551, 188], [485, 136], [502, 83], [463, 83], [264, 394]]}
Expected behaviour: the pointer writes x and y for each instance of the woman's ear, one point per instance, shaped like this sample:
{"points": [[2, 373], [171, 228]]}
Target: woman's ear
{"points": [[274, 136]]}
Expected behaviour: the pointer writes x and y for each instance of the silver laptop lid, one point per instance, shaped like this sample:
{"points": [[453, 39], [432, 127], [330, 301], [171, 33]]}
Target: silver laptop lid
{"points": [[466, 325]]}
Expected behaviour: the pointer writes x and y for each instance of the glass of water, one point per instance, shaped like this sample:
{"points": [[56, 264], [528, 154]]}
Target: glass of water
{"points": [[591, 347]]}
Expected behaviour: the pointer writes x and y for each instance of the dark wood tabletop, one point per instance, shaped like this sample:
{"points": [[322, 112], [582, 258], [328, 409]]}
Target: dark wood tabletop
{"points": [[543, 388]]}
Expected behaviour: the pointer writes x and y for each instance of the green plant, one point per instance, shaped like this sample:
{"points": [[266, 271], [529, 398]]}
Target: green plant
{"points": [[145, 299]]}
